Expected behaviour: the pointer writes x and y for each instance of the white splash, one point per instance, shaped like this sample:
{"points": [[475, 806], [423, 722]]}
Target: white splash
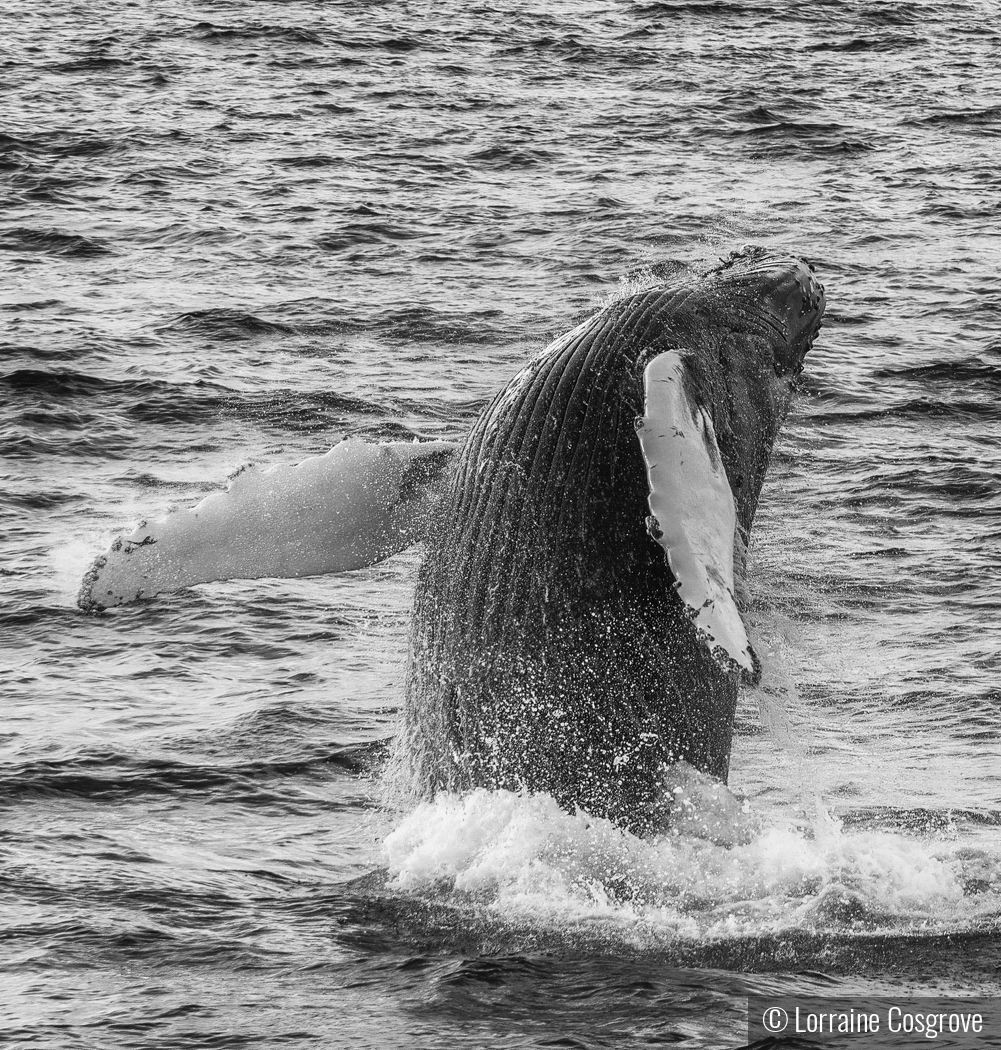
{"points": [[719, 872]]}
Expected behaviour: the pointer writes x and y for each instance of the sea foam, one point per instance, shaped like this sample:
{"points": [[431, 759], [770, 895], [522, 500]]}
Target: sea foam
{"points": [[719, 871]]}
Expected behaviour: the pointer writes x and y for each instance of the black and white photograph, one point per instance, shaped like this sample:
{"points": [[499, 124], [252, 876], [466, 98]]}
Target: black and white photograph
{"points": [[500, 524]]}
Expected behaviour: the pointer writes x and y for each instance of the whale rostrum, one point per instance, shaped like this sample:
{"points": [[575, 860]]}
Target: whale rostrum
{"points": [[575, 628]]}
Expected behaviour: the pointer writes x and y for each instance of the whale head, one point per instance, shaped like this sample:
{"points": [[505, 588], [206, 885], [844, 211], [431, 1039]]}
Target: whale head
{"points": [[779, 291], [746, 332]]}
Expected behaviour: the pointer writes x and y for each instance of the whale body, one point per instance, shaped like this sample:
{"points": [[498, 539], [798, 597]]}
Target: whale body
{"points": [[575, 626]]}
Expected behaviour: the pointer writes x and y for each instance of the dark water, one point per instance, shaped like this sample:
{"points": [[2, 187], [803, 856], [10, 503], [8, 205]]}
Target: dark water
{"points": [[235, 232]]}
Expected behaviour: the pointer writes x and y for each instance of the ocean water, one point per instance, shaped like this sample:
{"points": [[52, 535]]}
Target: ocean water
{"points": [[236, 232]]}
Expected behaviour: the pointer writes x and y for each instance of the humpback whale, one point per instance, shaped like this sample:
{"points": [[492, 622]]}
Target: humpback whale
{"points": [[575, 626]]}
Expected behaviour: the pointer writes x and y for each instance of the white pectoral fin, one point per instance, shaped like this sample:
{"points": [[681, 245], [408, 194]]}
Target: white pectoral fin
{"points": [[352, 507], [692, 509]]}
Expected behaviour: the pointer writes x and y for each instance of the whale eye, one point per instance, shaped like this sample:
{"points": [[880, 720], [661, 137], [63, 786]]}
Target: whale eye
{"points": [[786, 369]]}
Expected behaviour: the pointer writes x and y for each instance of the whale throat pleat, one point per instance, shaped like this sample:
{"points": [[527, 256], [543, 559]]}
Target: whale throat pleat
{"points": [[544, 429]]}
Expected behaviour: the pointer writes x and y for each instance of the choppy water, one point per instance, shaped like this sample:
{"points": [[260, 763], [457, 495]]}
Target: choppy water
{"points": [[235, 232]]}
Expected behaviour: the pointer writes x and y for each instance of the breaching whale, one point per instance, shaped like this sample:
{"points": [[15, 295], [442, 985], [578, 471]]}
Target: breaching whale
{"points": [[575, 627]]}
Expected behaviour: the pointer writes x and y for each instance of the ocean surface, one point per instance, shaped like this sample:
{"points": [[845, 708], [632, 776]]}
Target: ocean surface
{"points": [[237, 232]]}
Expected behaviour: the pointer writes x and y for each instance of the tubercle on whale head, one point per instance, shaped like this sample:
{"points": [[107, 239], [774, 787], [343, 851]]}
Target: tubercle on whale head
{"points": [[783, 290]]}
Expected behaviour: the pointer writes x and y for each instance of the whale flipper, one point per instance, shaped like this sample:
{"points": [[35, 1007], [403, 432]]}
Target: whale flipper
{"points": [[351, 507], [692, 509]]}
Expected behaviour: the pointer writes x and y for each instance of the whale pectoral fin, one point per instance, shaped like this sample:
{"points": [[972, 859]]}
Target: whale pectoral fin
{"points": [[692, 512], [352, 507]]}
